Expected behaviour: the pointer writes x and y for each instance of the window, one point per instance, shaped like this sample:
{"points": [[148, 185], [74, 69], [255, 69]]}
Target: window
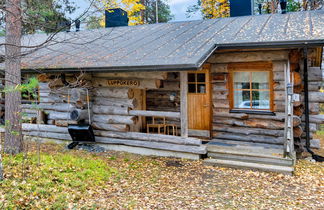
{"points": [[251, 88], [197, 82]]}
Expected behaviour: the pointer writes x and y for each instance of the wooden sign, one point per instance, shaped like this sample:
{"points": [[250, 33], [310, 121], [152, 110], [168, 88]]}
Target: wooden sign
{"points": [[123, 83]]}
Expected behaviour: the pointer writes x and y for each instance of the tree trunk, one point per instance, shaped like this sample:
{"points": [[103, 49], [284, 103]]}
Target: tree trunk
{"points": [[13, 136]]}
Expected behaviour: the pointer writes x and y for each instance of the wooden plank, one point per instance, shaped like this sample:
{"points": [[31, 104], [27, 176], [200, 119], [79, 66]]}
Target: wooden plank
{"points": [[136, 75], [154, 114], [184, 103], [248, 56], [140, 84]]}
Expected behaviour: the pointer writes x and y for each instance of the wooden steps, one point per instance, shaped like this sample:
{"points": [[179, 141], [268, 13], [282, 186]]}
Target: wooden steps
{"points": [[248, 156]]}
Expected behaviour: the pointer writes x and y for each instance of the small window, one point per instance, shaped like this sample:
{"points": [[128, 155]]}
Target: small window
{"points": [[251, 90], [197, 83]]}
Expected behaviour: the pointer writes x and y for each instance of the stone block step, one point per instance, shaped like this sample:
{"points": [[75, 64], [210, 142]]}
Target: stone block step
{"points": [[252, 158], [288, 170]]}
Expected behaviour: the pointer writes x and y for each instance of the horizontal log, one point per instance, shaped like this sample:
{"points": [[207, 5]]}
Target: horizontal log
{"points": [[247, 131], [142, 83], [79, 114], [277, 117], [115, 119], [219, 68], [278, 76], [131, 103], [318, 119], [64, 123], [231, 57], [61, 107], [132, 75], [125, 93], [315, 74], [149, 137], [110, 110], [249, 138], [110, 127], [155, 145], [279, 65], [315, 97], [53, 115], [154, 114], [254, 123], [50, 135], [43, 128]]}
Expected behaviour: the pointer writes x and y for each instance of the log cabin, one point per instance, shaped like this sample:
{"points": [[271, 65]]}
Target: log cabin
{"points": [[239, 92]]}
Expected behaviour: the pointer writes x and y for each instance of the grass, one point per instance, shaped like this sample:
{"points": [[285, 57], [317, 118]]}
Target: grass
{"points": [[61, 177], [81, 180]]}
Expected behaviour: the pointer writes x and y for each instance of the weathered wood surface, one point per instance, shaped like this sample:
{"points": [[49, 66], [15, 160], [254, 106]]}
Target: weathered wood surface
{"points": [[155, 145], [318, 119], [248, 131], [315, 74], [143, 83], [43, 128], [131, 103], [154, 113], [110, 110], [64, 123], [149, 137], [115, 119], [137, 75], [298, 131], [110, 127], [53, 115], [184, 104], [248, 56], [250, 138], [278, 116], [125, 93], [219, 68]]}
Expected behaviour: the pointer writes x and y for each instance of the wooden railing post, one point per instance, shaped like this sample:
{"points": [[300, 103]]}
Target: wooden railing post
{"points": [[184, 103]]}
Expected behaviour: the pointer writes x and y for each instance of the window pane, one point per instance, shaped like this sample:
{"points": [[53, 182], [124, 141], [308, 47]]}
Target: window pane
{"points": [[201, 88], [242, 99], [260, 80], [191, 78], [260, 100], [241, 80], [192, 88], [201, 77]]}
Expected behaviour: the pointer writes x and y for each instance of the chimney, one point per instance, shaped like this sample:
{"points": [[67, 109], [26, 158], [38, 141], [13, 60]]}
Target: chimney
{"points": [[241, 7], [65, 25], [116, 17], [283, 6], [77, 25]]}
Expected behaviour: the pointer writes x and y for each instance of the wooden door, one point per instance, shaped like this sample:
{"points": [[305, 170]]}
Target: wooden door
{"points": [[199, 100]]}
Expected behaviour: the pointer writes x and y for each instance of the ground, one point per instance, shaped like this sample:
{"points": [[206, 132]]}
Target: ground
{"points": [[58, 178]]}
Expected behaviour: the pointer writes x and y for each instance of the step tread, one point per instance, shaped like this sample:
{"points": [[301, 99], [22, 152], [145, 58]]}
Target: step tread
{"points": [[248, 165], [246, 152], [252, 159], [227, 142]]}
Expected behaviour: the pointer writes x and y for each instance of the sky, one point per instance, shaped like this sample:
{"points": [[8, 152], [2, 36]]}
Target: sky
{"points": [[178, 9]]}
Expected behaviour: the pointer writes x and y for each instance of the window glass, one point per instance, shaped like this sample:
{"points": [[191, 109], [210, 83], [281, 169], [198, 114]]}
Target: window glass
{"points": [[241, 80], [242, 99], [201, 88], [260, 80], [201, 78], [191, 78], [260, 100], [254, 96], [192, 88]]}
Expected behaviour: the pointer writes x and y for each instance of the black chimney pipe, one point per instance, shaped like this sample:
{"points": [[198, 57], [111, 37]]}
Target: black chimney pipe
{"points": [[260, 8], [283, 6], [77, 25]]}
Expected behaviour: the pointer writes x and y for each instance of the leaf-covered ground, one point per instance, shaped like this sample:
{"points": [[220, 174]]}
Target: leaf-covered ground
{"points": [[78, 179]]}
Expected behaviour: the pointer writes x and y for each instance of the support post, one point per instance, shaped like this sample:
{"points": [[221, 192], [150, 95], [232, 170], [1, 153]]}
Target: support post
{"points": [[184, 103]]}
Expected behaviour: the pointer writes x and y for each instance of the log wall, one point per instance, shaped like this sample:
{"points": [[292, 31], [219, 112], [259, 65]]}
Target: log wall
{"points": [[242, 126], [263, 128]]}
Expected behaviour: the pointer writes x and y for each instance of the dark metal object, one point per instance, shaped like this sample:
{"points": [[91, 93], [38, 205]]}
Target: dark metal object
{"points": [[240, 8], [283, 6], [260, 8], [81, 133], [77, 25], [116, 17], [314, 156]]}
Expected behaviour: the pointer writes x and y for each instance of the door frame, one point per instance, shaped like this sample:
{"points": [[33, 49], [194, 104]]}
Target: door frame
{"points": [[203, 133]]}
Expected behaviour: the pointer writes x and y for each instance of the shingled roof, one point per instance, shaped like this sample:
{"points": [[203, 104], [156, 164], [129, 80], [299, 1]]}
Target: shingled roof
{"points": [[169, 46]]}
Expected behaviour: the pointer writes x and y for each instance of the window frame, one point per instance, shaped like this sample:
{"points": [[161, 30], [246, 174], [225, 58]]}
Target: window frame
{"points": [[250, 67]]}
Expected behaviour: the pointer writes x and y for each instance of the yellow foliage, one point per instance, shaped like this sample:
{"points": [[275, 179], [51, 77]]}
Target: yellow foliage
{"points": [[215, 8], [132, 7]]}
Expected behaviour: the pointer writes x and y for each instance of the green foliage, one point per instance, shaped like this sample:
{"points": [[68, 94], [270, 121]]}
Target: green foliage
{"points": [[164, 12], [58, 180]]}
